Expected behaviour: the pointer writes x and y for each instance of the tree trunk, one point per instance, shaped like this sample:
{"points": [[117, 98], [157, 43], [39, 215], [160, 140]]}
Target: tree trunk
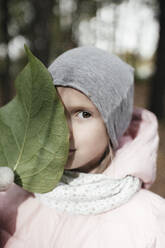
{"points": [[40, 34], [157, 94], [5, 84]]}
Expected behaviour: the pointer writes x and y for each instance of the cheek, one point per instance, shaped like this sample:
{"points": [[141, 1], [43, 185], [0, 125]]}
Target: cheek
{"points": [[91, 136], [100, 137]]}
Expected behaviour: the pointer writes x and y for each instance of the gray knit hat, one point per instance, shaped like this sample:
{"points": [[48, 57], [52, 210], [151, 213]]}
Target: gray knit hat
{"points": [[105, 79]]}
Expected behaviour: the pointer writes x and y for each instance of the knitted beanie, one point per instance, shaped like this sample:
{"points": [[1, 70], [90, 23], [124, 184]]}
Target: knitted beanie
{"points": [[105, 79]]}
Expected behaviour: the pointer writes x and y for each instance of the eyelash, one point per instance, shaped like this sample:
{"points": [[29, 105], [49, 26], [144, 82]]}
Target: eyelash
{"points": [[81, 111]]}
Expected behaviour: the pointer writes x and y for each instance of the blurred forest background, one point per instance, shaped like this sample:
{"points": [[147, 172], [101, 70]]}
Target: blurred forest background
{"points": [[134, 30]]}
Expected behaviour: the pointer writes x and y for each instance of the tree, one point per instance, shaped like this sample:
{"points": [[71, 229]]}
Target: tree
{"points": [[5, 85], [30, 19], [157, 93], [47, 29]]}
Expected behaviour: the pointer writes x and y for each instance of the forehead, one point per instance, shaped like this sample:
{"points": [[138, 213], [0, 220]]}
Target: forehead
{"points": [[72, 98]]}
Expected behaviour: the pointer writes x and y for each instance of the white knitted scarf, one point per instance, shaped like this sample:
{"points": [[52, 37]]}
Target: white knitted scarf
{"points": [[87, 193]]}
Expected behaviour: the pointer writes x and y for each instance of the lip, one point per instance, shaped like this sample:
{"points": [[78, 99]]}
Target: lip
{"points": [[72, 150]]}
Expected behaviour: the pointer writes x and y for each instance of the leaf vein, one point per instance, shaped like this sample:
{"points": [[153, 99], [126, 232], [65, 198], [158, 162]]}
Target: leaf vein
{"points": [[24, 139]]}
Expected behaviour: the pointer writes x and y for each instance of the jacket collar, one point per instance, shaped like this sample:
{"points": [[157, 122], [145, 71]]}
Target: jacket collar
{"points": [[137, 151]]}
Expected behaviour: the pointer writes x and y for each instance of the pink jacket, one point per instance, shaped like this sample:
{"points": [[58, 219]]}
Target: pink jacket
{"points": [[140, 223]]}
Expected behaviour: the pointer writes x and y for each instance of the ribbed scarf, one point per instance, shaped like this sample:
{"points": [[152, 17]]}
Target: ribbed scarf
{"points": [[87, 193]]}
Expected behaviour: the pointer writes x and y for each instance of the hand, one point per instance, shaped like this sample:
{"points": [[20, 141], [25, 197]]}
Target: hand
{"points": [[11, 197], [6, 178], [19, 212]]}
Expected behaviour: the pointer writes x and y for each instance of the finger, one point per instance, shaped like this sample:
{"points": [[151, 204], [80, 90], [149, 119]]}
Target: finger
{"points": [[6, 178]]}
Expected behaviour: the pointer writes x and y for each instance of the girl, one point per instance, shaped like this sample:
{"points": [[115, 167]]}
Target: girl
{"points": [[102, 199]]}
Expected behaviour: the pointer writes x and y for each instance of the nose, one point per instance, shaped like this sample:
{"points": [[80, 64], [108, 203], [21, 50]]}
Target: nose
{"points": [[70, 134], [71, 139], [70, 128], [69, 122]]}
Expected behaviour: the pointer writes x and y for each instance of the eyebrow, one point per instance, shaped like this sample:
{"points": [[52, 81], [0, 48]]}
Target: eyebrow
{"points": [[81, 107]]}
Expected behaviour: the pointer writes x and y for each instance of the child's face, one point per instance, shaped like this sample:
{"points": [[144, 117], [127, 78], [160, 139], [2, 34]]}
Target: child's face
{"points": [[88, 134]]}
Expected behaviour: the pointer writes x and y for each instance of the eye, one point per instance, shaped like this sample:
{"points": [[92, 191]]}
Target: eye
{"points": [[84, 114]]}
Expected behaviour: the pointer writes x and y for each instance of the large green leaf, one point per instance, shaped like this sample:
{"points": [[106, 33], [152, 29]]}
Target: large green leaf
{"points": [[34, 135]]}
